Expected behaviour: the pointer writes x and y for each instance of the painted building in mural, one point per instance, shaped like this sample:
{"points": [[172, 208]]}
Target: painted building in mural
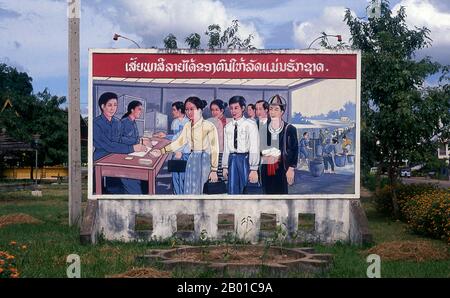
{"points": [[180, 123]]}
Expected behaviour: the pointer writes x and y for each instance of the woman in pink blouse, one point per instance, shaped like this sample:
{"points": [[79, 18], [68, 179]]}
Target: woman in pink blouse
{"points": [[219, 120]]}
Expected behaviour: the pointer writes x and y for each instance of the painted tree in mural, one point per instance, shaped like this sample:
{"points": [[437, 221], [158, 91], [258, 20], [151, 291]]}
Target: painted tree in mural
{"points": [[400, 116], [298, 118]]}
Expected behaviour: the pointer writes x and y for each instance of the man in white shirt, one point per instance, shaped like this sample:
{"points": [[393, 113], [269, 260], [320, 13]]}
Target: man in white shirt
{"points": [[241, 153]]}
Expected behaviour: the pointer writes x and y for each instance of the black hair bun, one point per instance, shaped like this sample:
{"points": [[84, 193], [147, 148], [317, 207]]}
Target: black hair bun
{"points": [[225, 105], [204, 104]]}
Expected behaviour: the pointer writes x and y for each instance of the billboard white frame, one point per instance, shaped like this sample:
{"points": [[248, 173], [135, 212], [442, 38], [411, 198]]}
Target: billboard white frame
{"points": [[355, 195]]}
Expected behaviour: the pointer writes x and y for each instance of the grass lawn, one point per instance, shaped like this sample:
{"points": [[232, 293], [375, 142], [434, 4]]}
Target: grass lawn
{"points": [[51, 241], [350, 261]]}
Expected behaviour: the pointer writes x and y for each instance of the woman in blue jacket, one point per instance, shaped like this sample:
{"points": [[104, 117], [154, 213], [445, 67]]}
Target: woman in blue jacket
{"points": [[107, 137], [129, 134]]}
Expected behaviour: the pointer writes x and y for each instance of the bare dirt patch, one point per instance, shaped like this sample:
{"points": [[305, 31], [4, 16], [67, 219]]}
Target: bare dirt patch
{"points": [[142, 273], [17, 218], [247, 255], [418, 251], [243, 260]]}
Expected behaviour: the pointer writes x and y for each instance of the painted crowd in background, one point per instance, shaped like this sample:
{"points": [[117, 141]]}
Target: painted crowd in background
{"points": [[236, 124]]}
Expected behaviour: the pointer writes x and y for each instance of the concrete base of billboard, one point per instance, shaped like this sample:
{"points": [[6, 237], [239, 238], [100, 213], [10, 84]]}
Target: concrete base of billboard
{"points": [[332, 219]]}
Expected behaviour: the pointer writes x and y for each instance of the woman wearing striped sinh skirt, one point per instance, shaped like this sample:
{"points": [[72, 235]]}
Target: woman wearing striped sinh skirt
{"points": [[219, 120], [202, 137]]}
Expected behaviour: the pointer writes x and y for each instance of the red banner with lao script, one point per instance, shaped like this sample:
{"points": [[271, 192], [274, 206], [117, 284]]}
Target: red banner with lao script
{"points": [[225, 66]]}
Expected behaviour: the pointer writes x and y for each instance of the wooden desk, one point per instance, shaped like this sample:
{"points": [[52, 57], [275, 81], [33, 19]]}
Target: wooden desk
{"points": [[115, 165]]}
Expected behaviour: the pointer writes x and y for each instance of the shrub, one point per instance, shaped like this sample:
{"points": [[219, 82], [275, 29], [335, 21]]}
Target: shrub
{"points": [[369, 181], [428, 213], [404, 192], [383, 200]]}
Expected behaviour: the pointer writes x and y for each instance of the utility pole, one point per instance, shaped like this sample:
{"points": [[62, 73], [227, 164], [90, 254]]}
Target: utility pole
{"points": [[73, 14], [36, 140], [36, 192]]}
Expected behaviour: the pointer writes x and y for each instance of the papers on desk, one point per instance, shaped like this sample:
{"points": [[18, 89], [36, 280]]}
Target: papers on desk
{"points": [[144, 161], [140, 154], [144, 153]]}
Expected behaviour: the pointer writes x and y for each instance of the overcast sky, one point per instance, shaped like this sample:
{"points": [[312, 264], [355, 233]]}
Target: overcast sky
{"points": [[34, 32]]}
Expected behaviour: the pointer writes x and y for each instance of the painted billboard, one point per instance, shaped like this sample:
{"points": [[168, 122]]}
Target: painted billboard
{"points": [[224, 125]]}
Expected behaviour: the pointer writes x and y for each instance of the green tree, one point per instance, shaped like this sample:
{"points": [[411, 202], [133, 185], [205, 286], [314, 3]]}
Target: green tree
{"points": [[39, 113], [231, 40], [400, 117], [17, 88], [213, 32], [193, 41], [341, 45], [228, 39], [170, 42], [13, 82], [52, 124]]}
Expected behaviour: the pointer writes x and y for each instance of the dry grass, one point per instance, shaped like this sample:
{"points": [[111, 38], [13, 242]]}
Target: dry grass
{"points": [[142, 273], [109, 254], [418, 251], [18, 218]]}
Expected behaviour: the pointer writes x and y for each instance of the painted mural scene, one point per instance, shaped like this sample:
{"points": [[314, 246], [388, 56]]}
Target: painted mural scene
{"points": [[191, 135], [224, 139]]}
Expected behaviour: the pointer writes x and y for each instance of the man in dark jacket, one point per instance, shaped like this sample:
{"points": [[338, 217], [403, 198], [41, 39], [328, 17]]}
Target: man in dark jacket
{"points": [[281, 156]]}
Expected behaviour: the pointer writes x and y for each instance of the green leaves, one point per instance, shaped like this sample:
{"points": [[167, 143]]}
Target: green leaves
{"points": [[392, 80], [170, 42], [193, 40], [33, 113], [213, 32], [400, 116], [228, 39]]}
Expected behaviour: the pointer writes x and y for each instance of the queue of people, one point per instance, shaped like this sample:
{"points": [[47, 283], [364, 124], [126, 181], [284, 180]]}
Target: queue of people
{"points": [[261, 149]]}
